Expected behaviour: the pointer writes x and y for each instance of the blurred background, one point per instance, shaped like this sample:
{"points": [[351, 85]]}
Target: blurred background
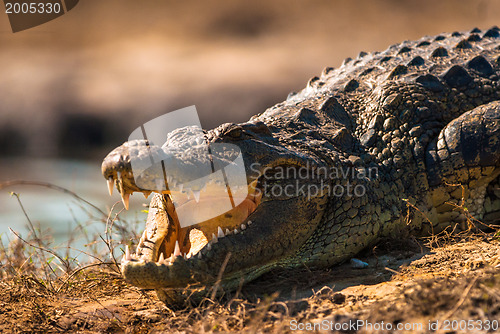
{"points": [[74, 88]]}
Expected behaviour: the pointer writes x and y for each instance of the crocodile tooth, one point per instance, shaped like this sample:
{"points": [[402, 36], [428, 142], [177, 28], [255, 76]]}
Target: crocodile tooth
{"points": [[119, 182], [196, 194], [184, 256], [177, 250], [111, 184], [125, 199], [127, 253], [171, 259], [199, 255], [161, 258], [243, 226], [171, 182], [227, 231], [146, 194], [220, 234], [214, 239], [236, 231], [209, 246], [249, 222], [181, 186]]}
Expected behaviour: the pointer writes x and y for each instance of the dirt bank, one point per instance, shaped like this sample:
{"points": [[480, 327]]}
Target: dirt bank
{"points": [[410, 285]]}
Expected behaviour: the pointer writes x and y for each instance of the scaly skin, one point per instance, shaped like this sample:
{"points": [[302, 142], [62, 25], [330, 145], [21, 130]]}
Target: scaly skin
{"points": [[421, 119]]}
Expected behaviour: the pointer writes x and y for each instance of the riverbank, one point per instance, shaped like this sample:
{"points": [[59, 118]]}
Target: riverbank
{"points": [[417, 284]]}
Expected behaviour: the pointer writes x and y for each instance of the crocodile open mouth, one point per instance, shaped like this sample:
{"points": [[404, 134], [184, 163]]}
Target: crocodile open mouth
{"points": [[166, 237]]}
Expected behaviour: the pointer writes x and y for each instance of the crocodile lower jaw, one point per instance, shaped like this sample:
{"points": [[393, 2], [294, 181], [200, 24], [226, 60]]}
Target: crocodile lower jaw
{"points": [[171, 242]]}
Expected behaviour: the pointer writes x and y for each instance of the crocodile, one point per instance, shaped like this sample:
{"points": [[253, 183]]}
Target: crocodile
{"points": [[404, 139]]}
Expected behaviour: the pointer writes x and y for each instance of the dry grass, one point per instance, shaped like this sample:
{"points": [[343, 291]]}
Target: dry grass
{"points": [[46, 290]]}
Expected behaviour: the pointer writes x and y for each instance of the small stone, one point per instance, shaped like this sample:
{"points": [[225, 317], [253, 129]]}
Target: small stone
{"points": [[358, 264], [339, 298]]}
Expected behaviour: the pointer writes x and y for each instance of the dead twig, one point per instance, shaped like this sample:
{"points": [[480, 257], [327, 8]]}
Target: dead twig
{"points": [[219, 276]]}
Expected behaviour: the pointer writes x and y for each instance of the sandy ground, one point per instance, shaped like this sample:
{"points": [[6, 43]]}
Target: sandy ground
{"points": [[406, 283]]}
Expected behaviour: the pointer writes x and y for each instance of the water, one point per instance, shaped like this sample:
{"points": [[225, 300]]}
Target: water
{"points": [[60, 215]]}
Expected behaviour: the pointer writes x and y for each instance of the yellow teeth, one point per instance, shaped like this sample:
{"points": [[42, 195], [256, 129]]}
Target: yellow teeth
{"points": [[177, 250], [125, 200], [196, 195], [111, 184], [128, 257], [220, 233]]}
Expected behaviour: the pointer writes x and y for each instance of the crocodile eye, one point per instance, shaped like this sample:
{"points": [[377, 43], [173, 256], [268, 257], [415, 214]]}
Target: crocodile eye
{"points": [[236, 133]]}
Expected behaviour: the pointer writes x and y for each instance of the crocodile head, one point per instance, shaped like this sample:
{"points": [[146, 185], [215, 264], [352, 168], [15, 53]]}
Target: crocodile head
{"points": [[259, 231]]}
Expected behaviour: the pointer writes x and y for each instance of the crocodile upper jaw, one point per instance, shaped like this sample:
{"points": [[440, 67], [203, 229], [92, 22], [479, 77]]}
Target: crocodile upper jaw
{"points": [[256, 234]]}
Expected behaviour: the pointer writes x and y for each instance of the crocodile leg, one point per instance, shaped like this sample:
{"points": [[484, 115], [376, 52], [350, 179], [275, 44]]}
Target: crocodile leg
{"points": [[462, 161]]}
